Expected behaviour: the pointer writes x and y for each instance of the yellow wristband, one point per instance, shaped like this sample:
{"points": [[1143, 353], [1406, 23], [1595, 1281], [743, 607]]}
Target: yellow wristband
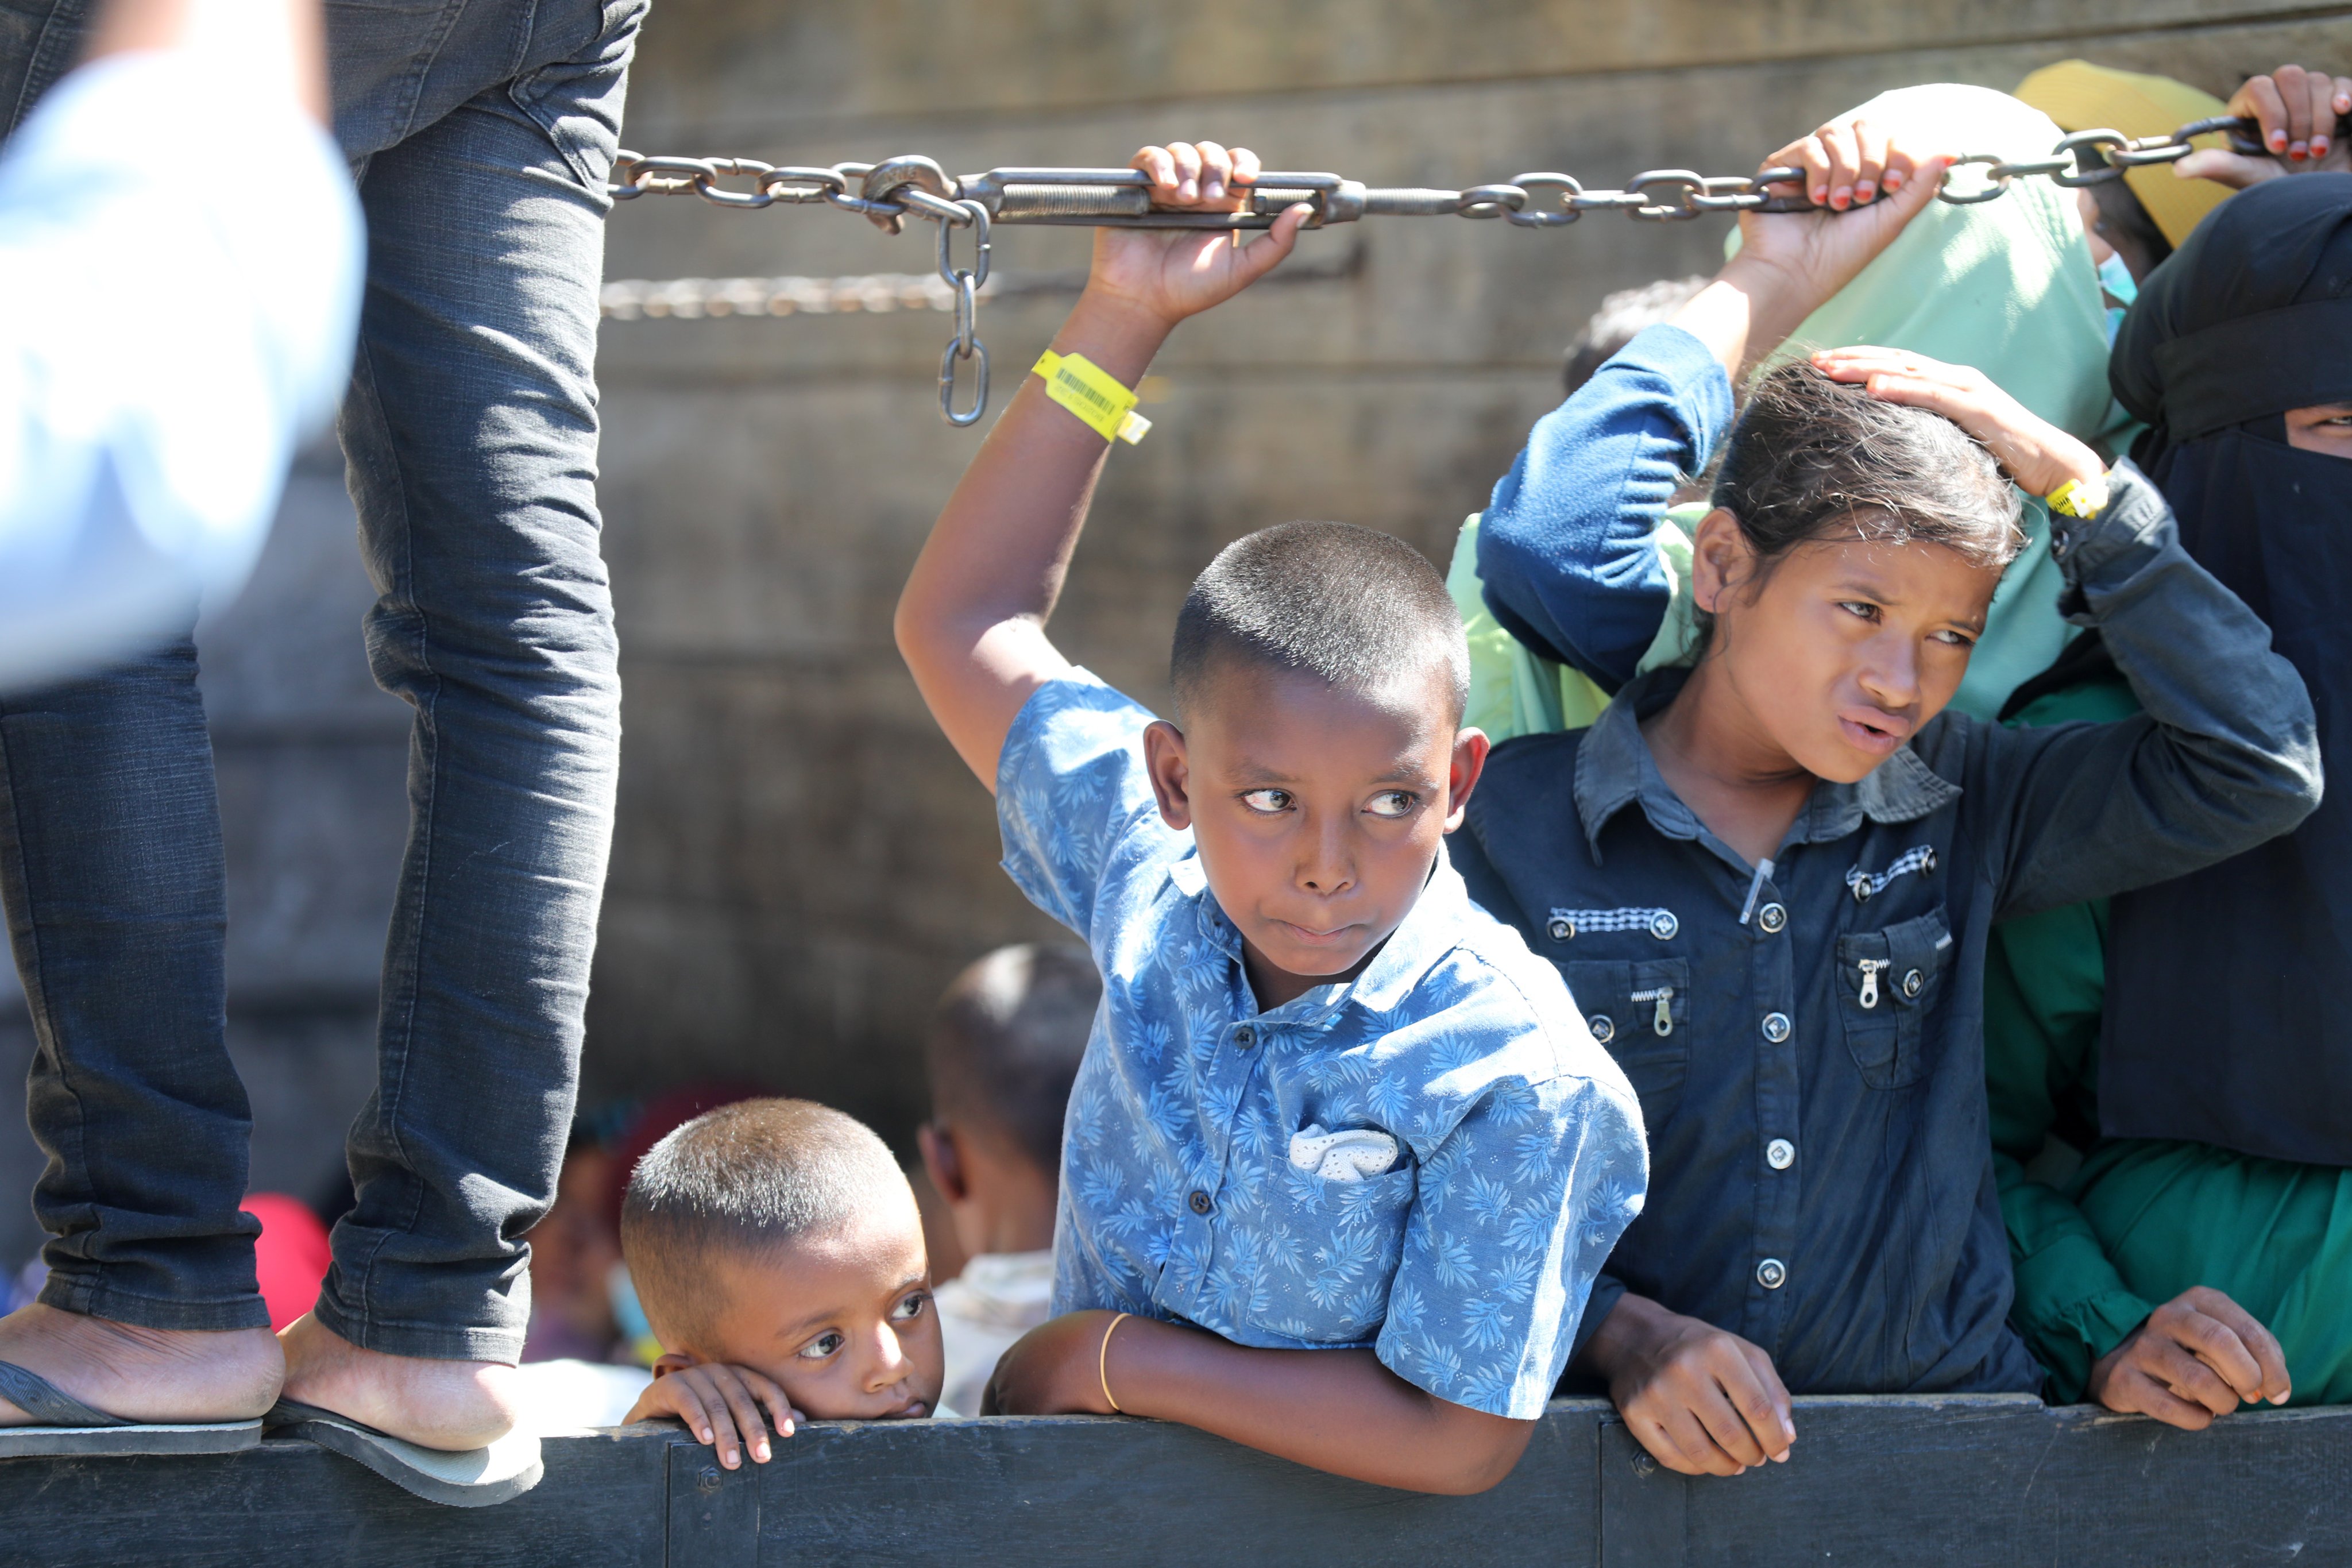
{"points": [[1091, 393], [2075, 499]]}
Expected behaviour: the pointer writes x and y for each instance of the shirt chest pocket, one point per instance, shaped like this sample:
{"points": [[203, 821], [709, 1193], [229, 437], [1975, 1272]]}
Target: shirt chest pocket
{"points": [[1640, 1012], [1317, 1255], [1888, 983]]}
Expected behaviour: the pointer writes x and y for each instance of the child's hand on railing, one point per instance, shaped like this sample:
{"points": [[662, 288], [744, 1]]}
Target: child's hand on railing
{"points": [[720, 1406], [2039, 455], [1166, 275], [1701, 1401], [2198, 1356]]}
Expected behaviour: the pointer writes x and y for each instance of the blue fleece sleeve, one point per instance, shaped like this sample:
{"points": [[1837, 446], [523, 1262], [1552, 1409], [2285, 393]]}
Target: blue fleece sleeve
{"points": [[1565, 549]]}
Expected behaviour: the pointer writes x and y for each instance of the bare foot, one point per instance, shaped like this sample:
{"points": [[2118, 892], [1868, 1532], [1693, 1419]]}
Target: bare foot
{"points": [[144, 1374], [436, 1404]]}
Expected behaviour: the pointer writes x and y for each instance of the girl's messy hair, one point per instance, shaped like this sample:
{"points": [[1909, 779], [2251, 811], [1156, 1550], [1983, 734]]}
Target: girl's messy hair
{"points": [[1816, 459]]}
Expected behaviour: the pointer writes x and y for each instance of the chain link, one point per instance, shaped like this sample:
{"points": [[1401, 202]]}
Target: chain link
{"points": [[890, 192]]}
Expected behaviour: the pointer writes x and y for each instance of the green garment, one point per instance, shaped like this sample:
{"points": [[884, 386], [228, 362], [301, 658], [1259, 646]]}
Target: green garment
{"points": [[2007, 286], [2141, 1220], [1516, 691]]}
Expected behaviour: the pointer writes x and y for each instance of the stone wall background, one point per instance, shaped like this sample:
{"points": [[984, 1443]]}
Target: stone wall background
{"points": [[801, 862]]}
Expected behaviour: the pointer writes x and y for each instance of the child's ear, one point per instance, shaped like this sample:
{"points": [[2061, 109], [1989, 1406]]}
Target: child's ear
{"points": [[1165, 759], [943, 1159], [674, 1360], [1470, 749], [1721, 560]]}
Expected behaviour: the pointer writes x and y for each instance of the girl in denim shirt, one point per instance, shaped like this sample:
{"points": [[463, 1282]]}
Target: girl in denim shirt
{"points": [[1769, 878]]}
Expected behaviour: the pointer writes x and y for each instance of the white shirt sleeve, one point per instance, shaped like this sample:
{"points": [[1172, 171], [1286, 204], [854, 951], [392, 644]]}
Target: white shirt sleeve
{"points": [[181, 255]]}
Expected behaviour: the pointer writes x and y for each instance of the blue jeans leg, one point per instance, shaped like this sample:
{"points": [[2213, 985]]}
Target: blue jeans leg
{"points": [[471, 435], [111, 871]]}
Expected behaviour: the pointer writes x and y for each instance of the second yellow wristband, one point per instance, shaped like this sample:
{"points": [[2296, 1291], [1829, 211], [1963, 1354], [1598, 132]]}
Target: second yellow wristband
{"points": [[1094, 395]]}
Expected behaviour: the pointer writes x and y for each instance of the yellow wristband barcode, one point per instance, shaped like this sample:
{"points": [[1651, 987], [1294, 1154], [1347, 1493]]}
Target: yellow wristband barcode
{"points": [[1091, 393]]}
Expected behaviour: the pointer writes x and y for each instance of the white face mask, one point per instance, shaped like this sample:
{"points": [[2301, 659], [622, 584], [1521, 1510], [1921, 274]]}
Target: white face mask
{"points": [[2117, 283]]}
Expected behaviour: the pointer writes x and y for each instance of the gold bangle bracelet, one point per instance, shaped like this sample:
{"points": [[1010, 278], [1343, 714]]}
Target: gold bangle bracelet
{"points": [[1102, 1363]]}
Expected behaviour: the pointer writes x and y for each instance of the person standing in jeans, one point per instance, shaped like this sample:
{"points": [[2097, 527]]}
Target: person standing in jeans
{"points": [[481, 134]]}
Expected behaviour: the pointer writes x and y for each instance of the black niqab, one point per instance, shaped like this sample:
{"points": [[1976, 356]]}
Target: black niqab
{"points": [[2229, 1004]]}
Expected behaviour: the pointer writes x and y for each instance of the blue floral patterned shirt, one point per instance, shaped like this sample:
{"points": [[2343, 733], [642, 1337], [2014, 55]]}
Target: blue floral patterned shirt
{"points": [[1519, 1152]]}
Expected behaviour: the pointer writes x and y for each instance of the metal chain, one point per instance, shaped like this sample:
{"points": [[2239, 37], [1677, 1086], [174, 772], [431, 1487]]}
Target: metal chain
{"points": [[888, 193]]}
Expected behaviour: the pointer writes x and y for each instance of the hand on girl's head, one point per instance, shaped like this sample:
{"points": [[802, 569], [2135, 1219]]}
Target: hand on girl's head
{"points": [[2038, 456]]}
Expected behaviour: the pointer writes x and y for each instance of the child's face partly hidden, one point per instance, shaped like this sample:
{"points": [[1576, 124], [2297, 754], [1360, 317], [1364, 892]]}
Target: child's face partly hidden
{"points": [[1840, 649], [2323, 427], [1317, 811], [843, 1323]]}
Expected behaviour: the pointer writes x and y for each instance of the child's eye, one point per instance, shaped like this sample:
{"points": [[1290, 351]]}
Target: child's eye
{"points": [[1267, 802], [823, 1346], [1955, 640], [910, 1306], [1862, 607], [1391, 803]]}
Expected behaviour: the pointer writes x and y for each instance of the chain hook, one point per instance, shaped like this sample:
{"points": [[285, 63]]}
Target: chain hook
{"points": [[965, 281]]}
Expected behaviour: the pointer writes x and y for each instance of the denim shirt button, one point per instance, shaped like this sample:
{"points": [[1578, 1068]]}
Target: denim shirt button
{"points": [[1603, 1027], [1780, 1153], [1912, 982], [1771, 1274], [1775, 1026], [1770, 919], [1663, 925], [1200, 1201], [1245, 1037], [1562, 929]]}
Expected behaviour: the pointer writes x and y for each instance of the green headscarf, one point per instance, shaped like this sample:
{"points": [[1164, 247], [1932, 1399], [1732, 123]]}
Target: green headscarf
{"points": [[2007, 286]]}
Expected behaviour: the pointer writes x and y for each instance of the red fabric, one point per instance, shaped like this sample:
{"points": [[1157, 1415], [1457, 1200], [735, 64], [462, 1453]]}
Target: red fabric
{"points": [[291, 1257]]}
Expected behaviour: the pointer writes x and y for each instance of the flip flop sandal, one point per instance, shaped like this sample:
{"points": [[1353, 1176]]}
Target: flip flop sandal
{"points": [[70, 1427], [467, 1477]]}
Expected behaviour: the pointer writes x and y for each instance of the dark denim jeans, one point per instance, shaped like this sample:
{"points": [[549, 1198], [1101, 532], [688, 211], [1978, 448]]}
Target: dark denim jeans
{"points": [[481, 132]]}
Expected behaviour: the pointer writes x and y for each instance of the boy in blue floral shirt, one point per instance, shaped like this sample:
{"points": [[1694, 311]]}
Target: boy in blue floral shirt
{"points": [[1342, 1158]]}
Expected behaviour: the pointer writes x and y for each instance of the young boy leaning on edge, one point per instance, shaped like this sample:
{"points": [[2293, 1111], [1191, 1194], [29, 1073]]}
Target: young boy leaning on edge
{"points": [[1341, 1160], [778, 1253]]}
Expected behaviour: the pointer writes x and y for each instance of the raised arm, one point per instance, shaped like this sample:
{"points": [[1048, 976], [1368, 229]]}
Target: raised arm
{"points": [[1565, 548], [972, 620], [2224, 753]]}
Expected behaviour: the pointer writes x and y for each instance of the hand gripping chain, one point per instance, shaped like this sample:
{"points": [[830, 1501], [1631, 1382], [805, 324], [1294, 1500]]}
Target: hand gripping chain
{"points": [[888, 193]]}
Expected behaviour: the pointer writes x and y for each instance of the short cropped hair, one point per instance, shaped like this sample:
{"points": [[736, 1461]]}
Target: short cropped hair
{"points": [[747, 1179], [1355, 606], [1812, 458], [1005, 1041]]}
